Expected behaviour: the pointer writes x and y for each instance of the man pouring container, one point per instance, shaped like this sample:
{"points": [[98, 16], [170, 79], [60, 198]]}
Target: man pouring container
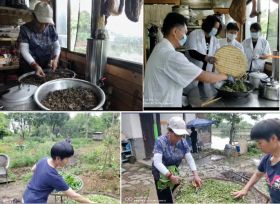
{"points": [[169, 71], [38, 42]]}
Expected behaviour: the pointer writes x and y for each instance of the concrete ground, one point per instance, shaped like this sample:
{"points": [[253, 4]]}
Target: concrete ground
{"points": [[138, 184]]}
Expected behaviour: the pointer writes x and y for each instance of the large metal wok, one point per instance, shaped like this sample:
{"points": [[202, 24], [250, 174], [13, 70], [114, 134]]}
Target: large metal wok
{"points": [[224, 93], [66, 83], [70, 74]]}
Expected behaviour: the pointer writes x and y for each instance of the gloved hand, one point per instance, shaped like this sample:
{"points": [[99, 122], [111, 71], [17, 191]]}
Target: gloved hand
{"points": [[230, 78], [210, 59], [256, 57]]}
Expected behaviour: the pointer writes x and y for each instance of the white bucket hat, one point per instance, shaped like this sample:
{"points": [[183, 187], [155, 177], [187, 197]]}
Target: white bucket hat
{"points": [[44, 13], [177, 125]]}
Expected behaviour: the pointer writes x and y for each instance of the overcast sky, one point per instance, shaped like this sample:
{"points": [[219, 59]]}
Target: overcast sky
{"points": [[267, 116]]}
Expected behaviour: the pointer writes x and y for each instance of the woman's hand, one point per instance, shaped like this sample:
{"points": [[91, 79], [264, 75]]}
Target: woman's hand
{"points": [[175, 179], [240, 194], [39, 71], [197, 181], [54, 64]]}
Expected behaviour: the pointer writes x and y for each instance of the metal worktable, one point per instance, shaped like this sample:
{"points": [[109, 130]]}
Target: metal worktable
{"points": [[202, 93]]}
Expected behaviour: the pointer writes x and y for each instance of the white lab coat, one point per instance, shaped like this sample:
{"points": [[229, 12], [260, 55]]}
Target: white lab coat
{"points": [[196, 41], [167, 73], [235, 43], [262, 48]]}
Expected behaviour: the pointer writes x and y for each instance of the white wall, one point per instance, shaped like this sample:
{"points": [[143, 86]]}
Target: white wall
{"points": [[189, 117], [131, 126]]}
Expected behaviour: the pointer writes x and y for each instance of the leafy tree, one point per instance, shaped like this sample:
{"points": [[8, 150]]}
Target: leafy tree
{"points": [[233, 119], [21, 122], [4, 126], [56, 120]]}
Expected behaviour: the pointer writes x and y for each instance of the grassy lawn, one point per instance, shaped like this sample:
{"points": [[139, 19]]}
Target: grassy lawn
{"points": [[88, 162]]}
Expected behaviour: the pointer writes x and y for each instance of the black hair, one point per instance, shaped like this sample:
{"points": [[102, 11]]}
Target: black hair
{"points": [[172, 20], [210, 22], [192, 128], [265, 129], [232, 26], [62, 150], [256, 26]]}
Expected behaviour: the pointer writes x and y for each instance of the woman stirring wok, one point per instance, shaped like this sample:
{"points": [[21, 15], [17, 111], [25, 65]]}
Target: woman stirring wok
{"points": [[169, 151], [38, 41]]}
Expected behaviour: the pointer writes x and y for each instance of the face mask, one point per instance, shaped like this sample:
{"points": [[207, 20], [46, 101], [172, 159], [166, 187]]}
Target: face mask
{"points": [[231, 37], [255, 35], [183, 40], [213, 32]]}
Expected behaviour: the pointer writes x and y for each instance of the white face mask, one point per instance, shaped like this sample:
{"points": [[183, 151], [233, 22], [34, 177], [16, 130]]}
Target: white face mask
{"points": [[213, 32], [231, 37], [183, 41], [255, 35]]}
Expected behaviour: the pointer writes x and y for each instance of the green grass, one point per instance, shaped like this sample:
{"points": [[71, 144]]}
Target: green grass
{"points": [[89, 158], [33, 149], [27, 177], [253, 150]]}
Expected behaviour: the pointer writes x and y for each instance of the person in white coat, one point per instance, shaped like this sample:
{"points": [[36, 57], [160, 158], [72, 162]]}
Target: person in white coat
{"points": [[257, 49], [203, 44], [232, 30], [169, 71]]}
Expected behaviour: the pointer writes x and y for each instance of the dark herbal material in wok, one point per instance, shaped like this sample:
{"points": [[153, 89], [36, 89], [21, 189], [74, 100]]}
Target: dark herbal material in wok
{"points": [[36, 80], [212, 191], [237, 86], [78, 99]]}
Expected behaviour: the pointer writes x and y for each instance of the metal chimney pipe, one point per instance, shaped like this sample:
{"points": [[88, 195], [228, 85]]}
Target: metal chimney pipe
{"points": [[275, 66], [97, 18], [96, 57]]}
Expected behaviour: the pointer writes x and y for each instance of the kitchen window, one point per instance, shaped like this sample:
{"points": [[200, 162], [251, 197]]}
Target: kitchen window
{"points": [[80, 28], [61, 22], [125, 43], [272, 29], [125, 38], [249, 20], [80, 23], [268, 19]]}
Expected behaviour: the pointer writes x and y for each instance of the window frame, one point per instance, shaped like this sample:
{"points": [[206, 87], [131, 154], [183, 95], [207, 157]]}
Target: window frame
{"points": [[258, 20], [130, 65]]}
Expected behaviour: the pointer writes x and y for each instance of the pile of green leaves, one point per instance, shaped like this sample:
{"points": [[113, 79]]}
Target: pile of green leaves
{"points": [[237, 86], [212, 191], [72, 181], [164, 182]]}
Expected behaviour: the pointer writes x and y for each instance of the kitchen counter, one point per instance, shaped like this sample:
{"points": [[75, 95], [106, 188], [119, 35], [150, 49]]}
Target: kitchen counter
{"points": [[197, 96]]}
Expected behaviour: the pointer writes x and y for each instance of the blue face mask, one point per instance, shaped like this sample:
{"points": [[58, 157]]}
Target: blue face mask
{"points": [[255, 35], [213, 32], [183, 41]]}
